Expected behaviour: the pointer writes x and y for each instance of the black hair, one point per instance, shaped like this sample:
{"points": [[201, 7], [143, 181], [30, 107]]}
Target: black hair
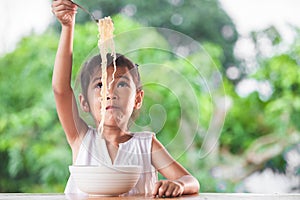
{"points": [[94, 64]]}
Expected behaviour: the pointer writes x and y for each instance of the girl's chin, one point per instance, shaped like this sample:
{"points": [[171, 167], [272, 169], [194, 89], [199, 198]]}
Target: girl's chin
{"points": [[114, 126], [114, 121]]}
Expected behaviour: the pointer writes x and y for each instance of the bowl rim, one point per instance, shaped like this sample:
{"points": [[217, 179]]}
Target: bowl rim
{"points": [[110, 168]]}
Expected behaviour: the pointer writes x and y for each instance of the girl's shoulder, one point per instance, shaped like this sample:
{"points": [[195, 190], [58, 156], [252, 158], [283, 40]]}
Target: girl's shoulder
{"points": [[91, 133]]}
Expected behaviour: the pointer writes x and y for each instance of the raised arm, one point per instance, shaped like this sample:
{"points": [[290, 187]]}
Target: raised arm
{"points": [[73, 125], [179, 180]]}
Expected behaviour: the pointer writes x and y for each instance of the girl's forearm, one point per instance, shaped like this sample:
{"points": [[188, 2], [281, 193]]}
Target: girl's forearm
{"points": [[61, 80]]}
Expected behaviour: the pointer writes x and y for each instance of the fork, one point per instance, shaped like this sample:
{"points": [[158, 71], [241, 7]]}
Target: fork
{"points": [[85, 10]]}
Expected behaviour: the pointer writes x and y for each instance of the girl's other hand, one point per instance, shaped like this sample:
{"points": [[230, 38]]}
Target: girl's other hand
{"points": [[65, 11], [167, 188]]}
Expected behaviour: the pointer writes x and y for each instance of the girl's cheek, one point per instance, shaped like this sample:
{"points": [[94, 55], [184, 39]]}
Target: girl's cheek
{"points": [[97, 95], [125, 91]]}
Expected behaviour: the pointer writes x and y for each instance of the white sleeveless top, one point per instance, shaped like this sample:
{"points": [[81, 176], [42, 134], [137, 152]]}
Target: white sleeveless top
{"points": [[135, 151]]}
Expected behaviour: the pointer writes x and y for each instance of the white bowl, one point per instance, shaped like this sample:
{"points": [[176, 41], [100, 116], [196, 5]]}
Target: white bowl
{"points": [[105, 180]]}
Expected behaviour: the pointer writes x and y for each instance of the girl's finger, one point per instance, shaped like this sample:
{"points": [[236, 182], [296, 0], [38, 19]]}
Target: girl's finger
{"points": [[162, 189], [170, 189], [67, 5], [176, 192], [62, 7], [64, 13], [67, 2], [156, 187]]}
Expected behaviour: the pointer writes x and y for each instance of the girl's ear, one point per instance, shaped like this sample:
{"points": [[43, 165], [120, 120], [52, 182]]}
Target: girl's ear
{"points": [[84, 104], [139, 99]]}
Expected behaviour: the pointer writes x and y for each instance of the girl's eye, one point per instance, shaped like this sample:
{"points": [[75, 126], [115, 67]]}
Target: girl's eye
{"points": [[99, 85], [122, 84]]}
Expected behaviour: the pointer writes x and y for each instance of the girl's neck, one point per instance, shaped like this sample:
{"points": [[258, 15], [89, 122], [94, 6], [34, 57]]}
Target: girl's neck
{"points": [[115, 135]]}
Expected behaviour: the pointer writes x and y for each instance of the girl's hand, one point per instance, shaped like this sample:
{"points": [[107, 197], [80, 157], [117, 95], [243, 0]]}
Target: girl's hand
{"points": [[65, 11], [167, 188]]}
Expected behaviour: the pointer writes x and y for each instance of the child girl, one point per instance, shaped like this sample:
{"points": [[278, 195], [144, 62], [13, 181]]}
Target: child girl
{"points": [[116, 145]]}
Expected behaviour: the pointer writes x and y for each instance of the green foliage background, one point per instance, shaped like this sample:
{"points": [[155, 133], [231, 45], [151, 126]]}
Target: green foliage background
{"points": [[33, 148]]}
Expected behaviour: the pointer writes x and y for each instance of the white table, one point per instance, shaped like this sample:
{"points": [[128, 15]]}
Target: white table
{"points": [[201, 196]]}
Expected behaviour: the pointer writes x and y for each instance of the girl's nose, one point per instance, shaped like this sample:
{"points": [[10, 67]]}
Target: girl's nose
{"points": [[110, 94], [109, 97]]}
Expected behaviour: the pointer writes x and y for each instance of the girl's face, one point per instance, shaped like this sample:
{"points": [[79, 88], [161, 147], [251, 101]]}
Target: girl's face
{"points": [[122, 98]]}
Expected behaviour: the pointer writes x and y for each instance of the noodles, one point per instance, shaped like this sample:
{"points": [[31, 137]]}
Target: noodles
{"points": [[106, 45]]}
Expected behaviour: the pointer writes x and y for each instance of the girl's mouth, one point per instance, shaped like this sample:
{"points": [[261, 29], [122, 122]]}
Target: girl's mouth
{"points": [[111, 107]]}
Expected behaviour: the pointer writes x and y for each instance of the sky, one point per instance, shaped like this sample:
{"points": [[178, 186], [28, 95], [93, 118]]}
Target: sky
{"points": [[20, 18], [251, 15]]}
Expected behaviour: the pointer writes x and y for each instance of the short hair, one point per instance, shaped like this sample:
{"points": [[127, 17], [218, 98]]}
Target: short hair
{"points": [[94, 63]]}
